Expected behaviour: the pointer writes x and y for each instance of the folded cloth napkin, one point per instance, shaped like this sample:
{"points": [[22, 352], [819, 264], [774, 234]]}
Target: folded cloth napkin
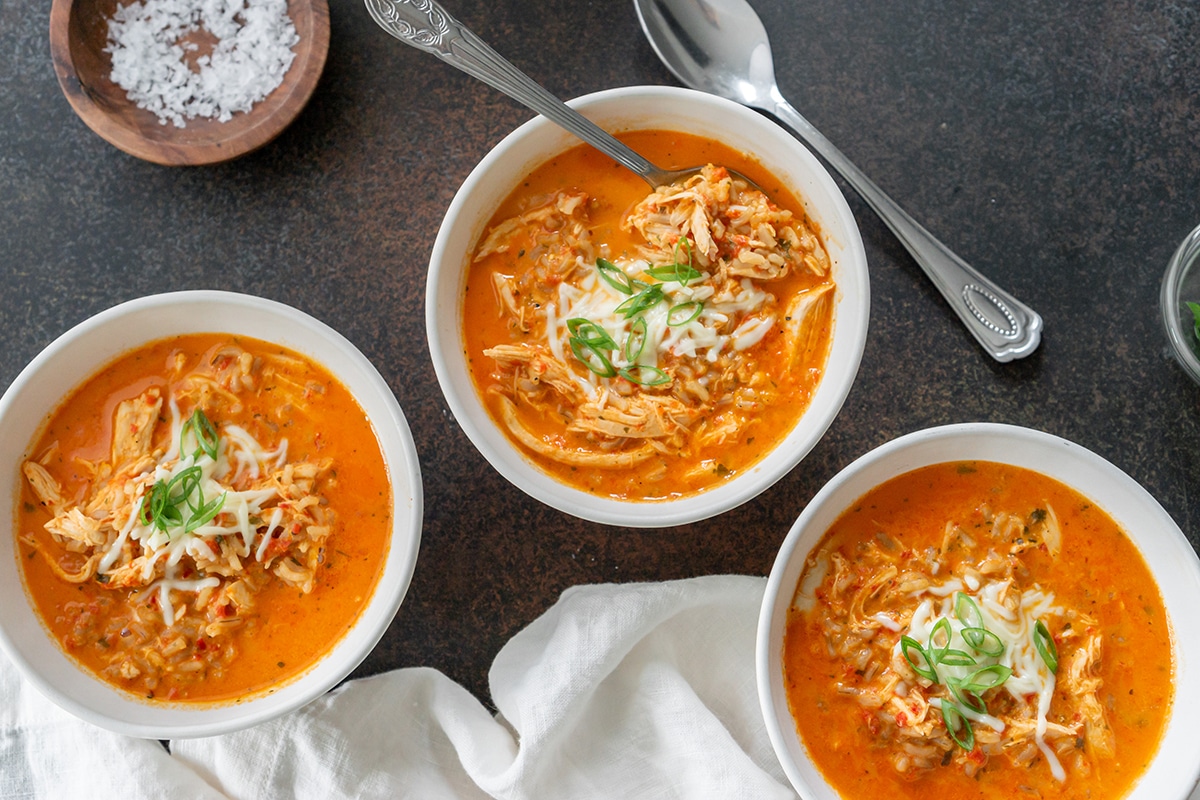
{"points": [[618, 691]]}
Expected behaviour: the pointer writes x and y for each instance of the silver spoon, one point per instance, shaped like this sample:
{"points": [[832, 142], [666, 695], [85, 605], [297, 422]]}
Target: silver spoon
{"points": [[427, 26], [721, 47]]}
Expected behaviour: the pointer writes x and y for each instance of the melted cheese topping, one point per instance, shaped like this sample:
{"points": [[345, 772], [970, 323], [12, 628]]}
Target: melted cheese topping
{"points": [[238, 453], [1030, 681], [594, 299]]}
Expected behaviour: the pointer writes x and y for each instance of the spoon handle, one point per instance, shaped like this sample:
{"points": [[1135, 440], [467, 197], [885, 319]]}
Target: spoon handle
{"points": [[427, 26], [1003, 325]]}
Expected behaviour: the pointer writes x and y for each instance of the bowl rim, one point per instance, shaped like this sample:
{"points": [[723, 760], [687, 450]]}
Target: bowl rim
{"points": [[37, 654], [291, 101], [444, 334], [1170, 303], [1171, 558]]}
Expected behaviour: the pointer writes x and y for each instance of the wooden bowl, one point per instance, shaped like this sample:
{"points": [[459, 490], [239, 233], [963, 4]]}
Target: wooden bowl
{"points": [[78, 36]]}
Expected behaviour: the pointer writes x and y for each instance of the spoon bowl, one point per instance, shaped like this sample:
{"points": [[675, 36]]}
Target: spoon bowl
{"points": [[427, 26], [721, 47]]}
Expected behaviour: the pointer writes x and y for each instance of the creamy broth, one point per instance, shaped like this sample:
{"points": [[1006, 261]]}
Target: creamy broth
{"points": [[632, 351], [204, 518], [1073, 710]]}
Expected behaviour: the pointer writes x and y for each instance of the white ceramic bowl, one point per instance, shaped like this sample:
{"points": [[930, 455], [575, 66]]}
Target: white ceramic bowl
{"points": [[78, 353], [639, 108], [1171, 559]]}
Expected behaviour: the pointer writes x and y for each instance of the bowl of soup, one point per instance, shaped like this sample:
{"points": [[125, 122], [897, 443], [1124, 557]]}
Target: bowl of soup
{"points": [[643, 356], [214, 514], [983, 610]]}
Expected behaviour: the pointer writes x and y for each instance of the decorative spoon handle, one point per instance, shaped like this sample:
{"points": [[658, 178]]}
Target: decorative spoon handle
{"points": [[427, 26], [1006, 327]]}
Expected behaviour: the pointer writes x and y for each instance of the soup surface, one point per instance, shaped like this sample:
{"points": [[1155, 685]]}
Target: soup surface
{"points": [[204, 518], [977, 630], [646, 347]]}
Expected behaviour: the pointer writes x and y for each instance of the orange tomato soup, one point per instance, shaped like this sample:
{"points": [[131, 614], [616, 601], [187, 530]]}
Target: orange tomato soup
{"points": [[1073, 677], [203, 519], [631, 350]]}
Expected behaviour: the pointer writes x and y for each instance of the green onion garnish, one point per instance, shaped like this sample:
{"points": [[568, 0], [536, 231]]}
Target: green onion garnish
{"points": [[1044, 643], [967, 611], [206, 435], [643, 300], [955, 658], [592, 358], [983, 641], [645, 375], [165, 506], [591, 333], [940, 631], [954, 720], [635, 342], [677, 273], [966, 696], [614, 276], [684, 313], [926, 668], [985, 678]]}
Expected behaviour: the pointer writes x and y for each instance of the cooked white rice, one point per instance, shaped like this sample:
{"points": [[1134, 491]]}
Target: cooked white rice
{"points": [[251, 56]]}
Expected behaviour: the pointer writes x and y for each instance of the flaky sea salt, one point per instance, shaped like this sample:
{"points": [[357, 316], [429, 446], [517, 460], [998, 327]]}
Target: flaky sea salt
{"points": [[148, 44]]}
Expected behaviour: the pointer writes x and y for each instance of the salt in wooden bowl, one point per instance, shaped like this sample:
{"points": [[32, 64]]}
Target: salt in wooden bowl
{"points": [[78, 37]]}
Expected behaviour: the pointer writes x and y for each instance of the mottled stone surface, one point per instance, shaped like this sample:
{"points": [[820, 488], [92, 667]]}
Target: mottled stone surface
{"points": [[1054, 146]]}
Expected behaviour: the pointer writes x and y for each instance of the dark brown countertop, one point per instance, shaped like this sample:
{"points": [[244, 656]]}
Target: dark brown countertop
{"points": [[1054, 146]]}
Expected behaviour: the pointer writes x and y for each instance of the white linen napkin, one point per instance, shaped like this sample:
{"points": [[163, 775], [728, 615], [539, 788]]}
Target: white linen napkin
{"points": [[632, 690]]}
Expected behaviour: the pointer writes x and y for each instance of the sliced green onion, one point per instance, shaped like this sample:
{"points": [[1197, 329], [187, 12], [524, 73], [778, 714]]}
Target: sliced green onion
{"points": [[926, 669], [205, 513], [967, 611], [591, 333], [966, 696], [645, 375], [684, 313], [206, 435], [685, 244], [955, 658], [986, 678], [164, 508], [954, 720], [614, 276], [983, 641], [941, 631], [1044, 643], [635, 342], [592, 358], [677, 273], [647, 298], [158, 510]]}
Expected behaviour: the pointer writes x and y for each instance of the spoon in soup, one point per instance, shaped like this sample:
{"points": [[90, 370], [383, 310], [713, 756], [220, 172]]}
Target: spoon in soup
{"points": [[427, 26], [721, 47]]}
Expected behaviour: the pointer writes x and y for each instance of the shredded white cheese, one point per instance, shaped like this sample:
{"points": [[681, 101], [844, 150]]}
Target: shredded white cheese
{"points": [[594, 299], [237, 452], [1030, 676]]}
